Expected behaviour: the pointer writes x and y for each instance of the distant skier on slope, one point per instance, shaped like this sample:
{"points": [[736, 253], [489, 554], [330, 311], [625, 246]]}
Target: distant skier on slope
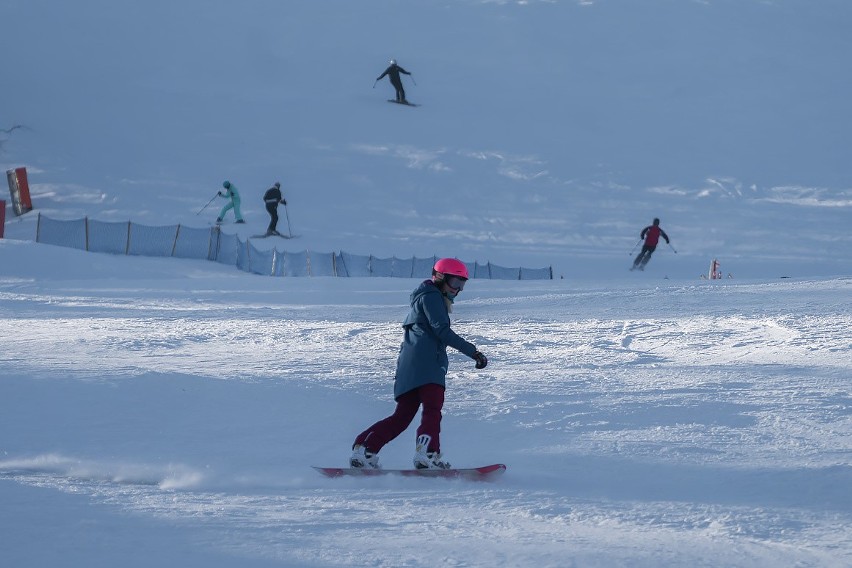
{"points": [[272, 198], [393, 72], [421, 371], [233, 196], [651, 234]]}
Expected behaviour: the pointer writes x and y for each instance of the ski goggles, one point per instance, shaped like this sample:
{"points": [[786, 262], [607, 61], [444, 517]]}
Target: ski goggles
{"points": [[455, 282]]}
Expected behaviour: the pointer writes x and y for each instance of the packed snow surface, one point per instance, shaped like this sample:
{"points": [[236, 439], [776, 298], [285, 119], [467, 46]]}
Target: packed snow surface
{"points": [[166, 412]]}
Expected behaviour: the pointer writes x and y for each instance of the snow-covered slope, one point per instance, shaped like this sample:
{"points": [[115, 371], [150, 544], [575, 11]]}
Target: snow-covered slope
{"points": [[550, 133], [165, 412]]}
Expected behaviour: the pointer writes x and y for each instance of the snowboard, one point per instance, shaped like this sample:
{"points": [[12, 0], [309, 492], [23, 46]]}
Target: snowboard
{"points": [[406, 103], [475, 473]]}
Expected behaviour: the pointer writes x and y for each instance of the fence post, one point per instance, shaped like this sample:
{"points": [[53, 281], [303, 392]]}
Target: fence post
{"points": [[214, 245], [2, 217], [174, 243], [343, 260]]}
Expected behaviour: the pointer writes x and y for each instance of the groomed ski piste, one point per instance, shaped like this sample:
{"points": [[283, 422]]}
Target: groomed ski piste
{"points": [[150, 418], [166, 412]]}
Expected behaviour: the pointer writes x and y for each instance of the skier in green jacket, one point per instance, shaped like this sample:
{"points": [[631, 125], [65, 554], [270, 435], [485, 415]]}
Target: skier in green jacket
{"points": [[233, 195]]}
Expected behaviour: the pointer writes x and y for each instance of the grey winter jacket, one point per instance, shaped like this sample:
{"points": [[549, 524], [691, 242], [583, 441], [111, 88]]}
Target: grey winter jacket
{"points": [[423, 353]]}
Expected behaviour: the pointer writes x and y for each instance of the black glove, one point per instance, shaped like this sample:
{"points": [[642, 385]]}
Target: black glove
{"points": [[219, 193], [284, 201], [480, 359]]}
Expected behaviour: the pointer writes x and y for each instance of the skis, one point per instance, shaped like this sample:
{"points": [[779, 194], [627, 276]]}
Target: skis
{"points": [[406, 103], [473, 473], [279, 235]]}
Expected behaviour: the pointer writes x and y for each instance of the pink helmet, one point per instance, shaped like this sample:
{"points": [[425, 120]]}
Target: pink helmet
{"points": [[451, 266]]}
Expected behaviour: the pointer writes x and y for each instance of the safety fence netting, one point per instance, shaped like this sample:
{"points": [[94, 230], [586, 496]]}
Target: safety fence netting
{"points": [[212, 244]]}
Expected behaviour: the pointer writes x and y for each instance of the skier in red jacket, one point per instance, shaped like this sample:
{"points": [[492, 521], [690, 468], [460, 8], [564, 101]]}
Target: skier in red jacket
{"points": [[651, 234]]}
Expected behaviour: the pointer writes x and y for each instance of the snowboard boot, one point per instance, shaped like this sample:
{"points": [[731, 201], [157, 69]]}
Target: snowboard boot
{"points": [[363, 458], [240, 221], [218, 220], [424, 459]]}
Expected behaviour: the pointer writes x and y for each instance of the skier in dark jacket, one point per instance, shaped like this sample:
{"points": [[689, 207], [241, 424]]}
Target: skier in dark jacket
{"points": [[393, 72], [272, 198], [421, 371], [651, 234]]}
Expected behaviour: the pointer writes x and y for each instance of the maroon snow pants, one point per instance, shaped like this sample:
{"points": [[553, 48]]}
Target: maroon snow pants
{"points": [[431, 396]]}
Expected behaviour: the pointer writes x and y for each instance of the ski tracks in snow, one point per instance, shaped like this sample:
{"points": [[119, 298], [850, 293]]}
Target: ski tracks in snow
{"points": [[660, 426]]}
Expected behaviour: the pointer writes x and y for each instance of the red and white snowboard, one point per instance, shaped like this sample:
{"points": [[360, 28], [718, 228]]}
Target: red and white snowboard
{"points": [[475, 473]]}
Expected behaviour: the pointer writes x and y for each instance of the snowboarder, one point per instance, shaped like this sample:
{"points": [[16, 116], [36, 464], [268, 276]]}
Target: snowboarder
{"points": [[272, 198], [393, 72], [651, 234], [421, 371], [233, 196]]}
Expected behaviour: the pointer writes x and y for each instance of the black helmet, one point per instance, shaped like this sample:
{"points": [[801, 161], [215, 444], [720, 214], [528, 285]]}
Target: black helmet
{"points": [[226, 184], [656, 221], [278, 184]]}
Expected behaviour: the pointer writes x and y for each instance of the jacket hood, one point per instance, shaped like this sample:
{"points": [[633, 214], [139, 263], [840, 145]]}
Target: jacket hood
{"points": [[426, 287]]}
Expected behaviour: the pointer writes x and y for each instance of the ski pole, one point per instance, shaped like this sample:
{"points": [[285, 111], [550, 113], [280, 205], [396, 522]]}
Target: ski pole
{"points": [[208, 203], [634, 246], [671, 247], [286, 214], [374, 83], [412, 80]]}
